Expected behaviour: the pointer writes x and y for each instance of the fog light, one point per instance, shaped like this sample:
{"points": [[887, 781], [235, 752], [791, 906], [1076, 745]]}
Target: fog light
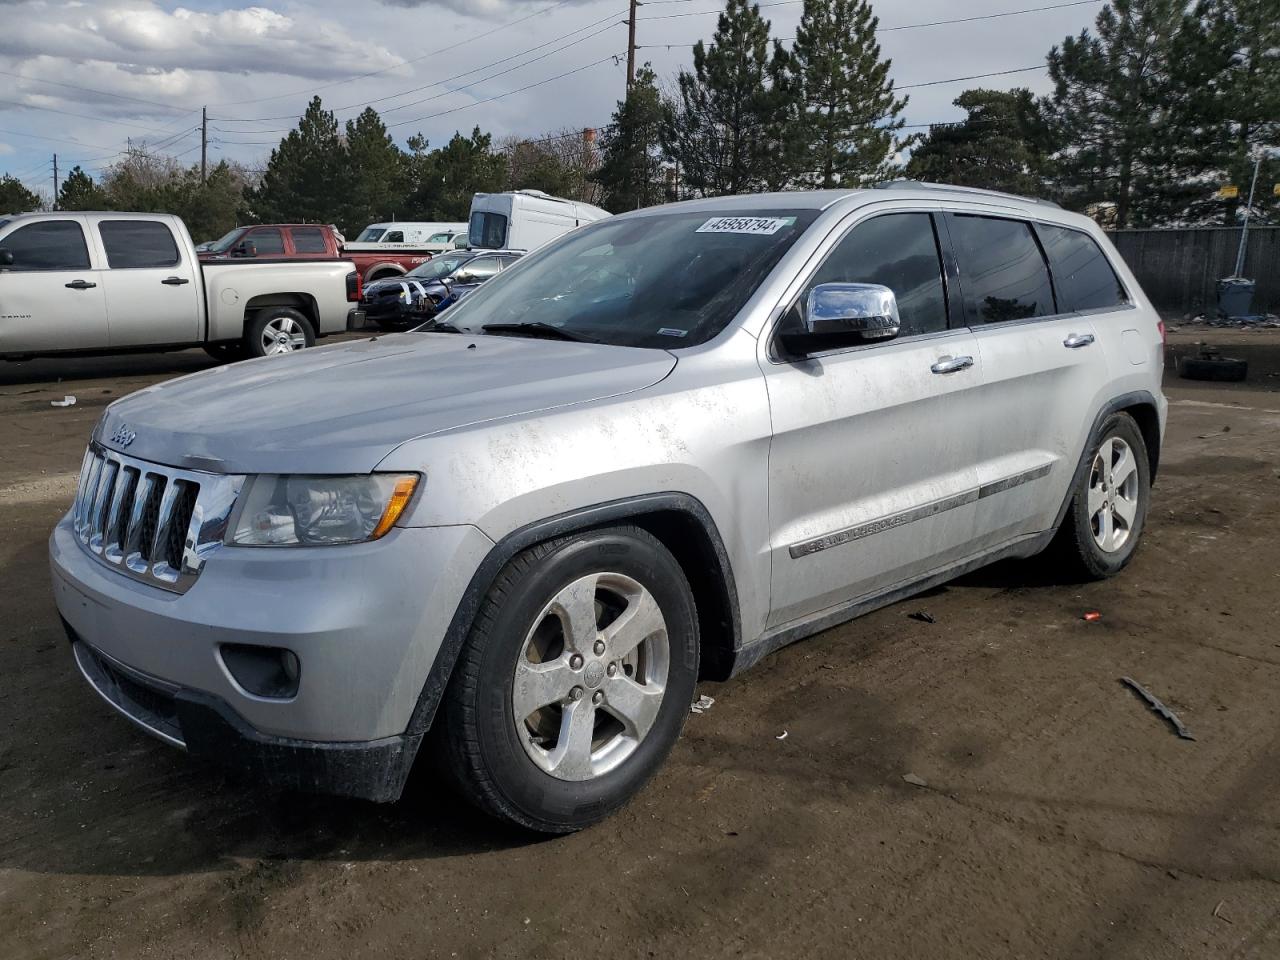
{"points": [[271, 672]]}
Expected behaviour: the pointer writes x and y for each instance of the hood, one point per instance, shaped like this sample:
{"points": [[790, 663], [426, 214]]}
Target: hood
{"points": [[343, 408]]}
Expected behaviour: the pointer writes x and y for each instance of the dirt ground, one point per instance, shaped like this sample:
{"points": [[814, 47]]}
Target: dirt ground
{"points": [[1058, 817]]}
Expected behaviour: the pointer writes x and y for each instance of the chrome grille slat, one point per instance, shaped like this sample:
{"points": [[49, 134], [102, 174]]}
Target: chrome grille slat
{"points": [[152, 523]]}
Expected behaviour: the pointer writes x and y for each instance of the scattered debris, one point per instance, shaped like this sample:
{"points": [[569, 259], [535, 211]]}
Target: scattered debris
{"points": [[1218, 914], [1158, 707], [914, 780], [702, 704], [67, 401], [1093, 616], [922, 617], [1209, 436], [782, 736]]}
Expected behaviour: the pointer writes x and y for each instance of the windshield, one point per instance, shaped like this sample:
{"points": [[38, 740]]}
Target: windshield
{"points": [[439, 267], [668, 280], [370, 234], [226, 241]]}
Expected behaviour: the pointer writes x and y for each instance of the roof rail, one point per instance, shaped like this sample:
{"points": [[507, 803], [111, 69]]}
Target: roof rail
{"points": [[952, 188]]}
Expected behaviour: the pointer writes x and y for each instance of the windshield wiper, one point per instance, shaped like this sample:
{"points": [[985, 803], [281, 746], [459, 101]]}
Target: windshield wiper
{"points": [[438, 326], [537, 328]]}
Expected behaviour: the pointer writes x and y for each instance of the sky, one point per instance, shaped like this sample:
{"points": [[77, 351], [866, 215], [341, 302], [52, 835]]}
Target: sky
{"points": [[84, 80]]}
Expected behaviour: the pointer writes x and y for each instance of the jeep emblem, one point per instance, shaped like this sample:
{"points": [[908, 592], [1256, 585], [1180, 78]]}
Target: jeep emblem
{"points": [[123, 436]]}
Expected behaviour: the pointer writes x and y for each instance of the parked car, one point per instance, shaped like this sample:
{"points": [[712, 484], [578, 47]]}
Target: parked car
{"points": [[385, 250], [111, 282], [276, 241], [525, 219], [520, 537], [423, 292]]}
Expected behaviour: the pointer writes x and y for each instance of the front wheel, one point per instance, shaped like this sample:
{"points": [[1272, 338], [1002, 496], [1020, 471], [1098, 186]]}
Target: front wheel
{"points": [[575, 681], [1108, 510], [277, 330]]}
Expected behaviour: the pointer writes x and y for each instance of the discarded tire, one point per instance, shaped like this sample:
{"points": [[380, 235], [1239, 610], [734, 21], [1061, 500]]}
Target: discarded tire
{"points": [[1220, 369]]}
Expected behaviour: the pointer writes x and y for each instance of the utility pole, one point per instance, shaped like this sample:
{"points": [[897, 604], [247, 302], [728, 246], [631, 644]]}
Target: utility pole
{"points": [[631, 45], [204, 143], [55, 182], [1244, 229]]}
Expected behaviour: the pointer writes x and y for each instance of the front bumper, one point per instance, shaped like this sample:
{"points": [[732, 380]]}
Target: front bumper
{"points": [[365, 621]]}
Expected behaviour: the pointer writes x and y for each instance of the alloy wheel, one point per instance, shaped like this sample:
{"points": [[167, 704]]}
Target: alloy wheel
{"points": [[282, 335], [590, 677], [1113, 494]]}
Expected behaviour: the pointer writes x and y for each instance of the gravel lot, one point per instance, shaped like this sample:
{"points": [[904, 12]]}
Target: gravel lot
{"points": [[1057, 816]]}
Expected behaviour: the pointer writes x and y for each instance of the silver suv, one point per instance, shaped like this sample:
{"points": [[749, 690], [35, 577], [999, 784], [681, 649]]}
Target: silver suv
{"points": [[655, 450]]}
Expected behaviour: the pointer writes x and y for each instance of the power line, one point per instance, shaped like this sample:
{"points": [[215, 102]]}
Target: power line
{"points": [[101, 93], [397, 66]]}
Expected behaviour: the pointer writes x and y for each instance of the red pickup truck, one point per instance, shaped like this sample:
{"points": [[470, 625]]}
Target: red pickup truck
{"points": [[313, 241]]}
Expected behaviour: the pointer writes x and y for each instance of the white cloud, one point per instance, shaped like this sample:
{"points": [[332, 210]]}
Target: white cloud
{"points": [[6, 150]]}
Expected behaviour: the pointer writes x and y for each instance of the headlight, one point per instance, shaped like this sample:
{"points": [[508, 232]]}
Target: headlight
{"points": [[289, 509]]}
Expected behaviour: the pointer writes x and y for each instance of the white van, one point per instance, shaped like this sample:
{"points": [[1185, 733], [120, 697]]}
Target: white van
{"points": [[525, 219], [409, 235]]}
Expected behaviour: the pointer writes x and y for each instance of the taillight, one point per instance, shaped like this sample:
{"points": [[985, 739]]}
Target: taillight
{"points": [[354, 286], [1164, 337]]}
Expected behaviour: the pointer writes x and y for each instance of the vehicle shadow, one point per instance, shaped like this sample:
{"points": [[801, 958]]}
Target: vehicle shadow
{"points": [[45, 370]]}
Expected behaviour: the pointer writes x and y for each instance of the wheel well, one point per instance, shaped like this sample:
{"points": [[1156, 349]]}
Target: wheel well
{"points": [[704, 568], [1144, 414], [383, 272], [298, 301]]}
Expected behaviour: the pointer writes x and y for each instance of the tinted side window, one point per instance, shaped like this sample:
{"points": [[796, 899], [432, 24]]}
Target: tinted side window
{"points": [[481, 268], [1001, 269], [52, 245], [393, 236], [135, 244], [309, 240], [899, 251], [1081, 271], [267, 242]]}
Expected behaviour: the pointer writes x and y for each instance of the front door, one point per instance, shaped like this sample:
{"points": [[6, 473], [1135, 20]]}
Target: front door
{"points": [[872, 468], [51, 297], [153, 291]]}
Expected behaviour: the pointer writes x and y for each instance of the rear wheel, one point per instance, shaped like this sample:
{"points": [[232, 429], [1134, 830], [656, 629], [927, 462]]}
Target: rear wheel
{"points": [[277, 330], [1104, 521], [575, 681]]}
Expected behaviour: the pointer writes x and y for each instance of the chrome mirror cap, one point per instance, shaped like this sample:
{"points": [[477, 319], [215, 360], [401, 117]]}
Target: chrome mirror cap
{"points": [[867, 309]]}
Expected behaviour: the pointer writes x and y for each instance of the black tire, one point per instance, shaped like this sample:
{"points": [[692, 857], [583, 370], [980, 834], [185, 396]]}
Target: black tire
{"points": [[254, 329], [1076, 552], [397, 325], [475, 734], [1218, 369], [226, 352]]}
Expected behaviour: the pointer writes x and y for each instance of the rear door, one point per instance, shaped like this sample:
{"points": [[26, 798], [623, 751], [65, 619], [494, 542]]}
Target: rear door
{"points": [[1042, 373], [872, 467], [308, 243], [51, 297], [153, 291]]}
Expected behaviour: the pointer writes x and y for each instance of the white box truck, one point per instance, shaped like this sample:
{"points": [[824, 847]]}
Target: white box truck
{"points": [[525, 219]]}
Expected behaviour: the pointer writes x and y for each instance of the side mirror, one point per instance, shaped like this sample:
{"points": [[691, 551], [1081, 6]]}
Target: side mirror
{"points": [[839, 313], [6, 257], [463, 277]]}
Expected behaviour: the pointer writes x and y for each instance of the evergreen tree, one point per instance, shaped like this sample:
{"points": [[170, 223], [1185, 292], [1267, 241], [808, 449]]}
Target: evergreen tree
{"points": [[1003, 144], [16, 198], [79, 192], [1122, 107], [631, 170], [375, 172], [850, 115], [305, 179], [718, 132], [444, 180]]}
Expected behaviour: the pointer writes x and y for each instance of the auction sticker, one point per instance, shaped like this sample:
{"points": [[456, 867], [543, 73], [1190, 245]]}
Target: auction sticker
{"points": [[755, 225]]}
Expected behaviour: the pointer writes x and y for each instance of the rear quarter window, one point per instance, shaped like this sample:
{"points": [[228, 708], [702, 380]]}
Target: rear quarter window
{"points": [[137, 244], [1082, 274]]}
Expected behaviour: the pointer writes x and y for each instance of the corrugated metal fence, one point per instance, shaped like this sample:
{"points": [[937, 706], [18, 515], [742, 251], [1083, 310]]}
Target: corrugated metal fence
{"points": [[1179, 268]]}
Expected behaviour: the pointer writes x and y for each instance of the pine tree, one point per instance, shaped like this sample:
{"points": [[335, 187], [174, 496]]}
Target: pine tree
{"points": [[16, 198], [375, 172], [79, 192], [631, 171], [718, 132], [1003, 144], [851, 117], [444, 180], [305, 178], [1121, 105]]}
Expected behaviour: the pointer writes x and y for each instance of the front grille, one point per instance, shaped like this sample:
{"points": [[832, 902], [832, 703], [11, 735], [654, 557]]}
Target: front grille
{"points": [[152, 523]]}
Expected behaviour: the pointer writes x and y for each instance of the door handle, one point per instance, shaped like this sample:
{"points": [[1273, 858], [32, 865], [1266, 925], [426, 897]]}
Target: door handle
{"points": [[80, 285], [174, 281], [952, 364], [1077, 340]]}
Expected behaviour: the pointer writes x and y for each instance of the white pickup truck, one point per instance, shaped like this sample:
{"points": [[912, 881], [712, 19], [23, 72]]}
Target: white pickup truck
{"points": [[118, 282]]}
